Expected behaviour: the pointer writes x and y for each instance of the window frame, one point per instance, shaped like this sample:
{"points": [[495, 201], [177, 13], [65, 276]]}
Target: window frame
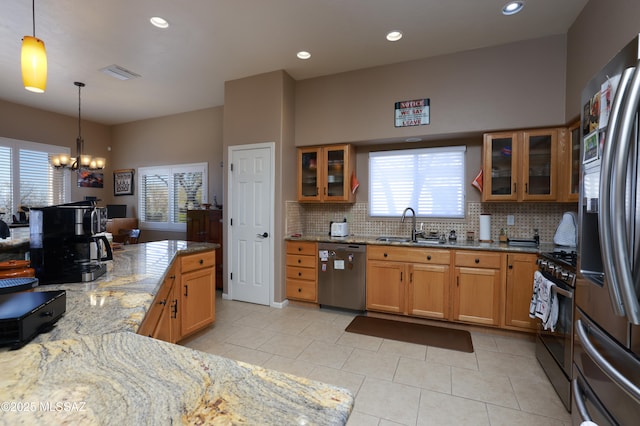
{"points": [[15, 146], [462, 149], [171, 171]]}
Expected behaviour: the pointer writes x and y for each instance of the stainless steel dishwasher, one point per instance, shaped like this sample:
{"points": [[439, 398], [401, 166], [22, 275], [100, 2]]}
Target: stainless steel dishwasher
{"points": [[341, 275]]}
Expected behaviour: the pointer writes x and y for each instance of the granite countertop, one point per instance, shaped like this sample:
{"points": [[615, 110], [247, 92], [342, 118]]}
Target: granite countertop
{"points": [[460, 244], [93, 369]]}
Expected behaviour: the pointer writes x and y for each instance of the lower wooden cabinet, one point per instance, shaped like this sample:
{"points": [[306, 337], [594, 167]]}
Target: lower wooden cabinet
{"points": [[477, 287], [519, 287], [185, 302], [418, 288], [302, 271]]}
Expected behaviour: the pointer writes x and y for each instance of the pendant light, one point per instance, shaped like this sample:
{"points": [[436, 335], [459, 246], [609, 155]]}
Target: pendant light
{"points": [[34, 60], [81, 160]]}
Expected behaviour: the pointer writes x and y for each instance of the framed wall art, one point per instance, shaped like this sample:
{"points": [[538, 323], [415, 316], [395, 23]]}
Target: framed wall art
{"points": [[123, 182]]}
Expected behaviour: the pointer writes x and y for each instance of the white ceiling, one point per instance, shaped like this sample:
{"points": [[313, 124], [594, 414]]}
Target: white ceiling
{"points": [[184, 67]]}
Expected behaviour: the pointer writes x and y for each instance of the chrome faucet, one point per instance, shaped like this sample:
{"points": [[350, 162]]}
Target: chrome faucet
{"points": [[414, 232]]}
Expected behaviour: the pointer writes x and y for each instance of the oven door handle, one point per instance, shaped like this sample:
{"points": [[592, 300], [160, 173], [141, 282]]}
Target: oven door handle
{"points": [[618, 378], [562, 292]]}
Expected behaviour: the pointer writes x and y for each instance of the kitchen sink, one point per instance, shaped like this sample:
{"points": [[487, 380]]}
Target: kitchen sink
{"points": [[428, 242], [394, 239]]}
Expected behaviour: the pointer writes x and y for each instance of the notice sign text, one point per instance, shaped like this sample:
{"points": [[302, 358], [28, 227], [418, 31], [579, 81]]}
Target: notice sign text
{"points": [[412, 113]]}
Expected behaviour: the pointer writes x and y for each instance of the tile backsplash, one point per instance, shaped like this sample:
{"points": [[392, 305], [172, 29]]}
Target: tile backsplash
{"points": [[315, 218]]}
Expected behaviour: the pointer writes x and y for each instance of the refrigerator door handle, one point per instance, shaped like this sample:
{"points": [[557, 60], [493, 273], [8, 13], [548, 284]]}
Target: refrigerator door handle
{"points": [[604, 216], [629, 387], [621, 256]]}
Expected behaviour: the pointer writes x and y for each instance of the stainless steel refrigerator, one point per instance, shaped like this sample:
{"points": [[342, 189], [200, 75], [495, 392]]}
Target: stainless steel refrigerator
{"points": [[606, 356]]}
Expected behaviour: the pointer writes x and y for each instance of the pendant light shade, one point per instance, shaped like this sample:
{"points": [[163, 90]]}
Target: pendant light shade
{"points": [[34, 64]]}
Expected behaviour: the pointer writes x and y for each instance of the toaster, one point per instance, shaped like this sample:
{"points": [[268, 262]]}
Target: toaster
{"points": [[339, 229]]}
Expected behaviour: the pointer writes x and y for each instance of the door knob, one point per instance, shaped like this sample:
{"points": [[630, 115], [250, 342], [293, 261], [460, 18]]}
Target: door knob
{"points": [[263, 235]]}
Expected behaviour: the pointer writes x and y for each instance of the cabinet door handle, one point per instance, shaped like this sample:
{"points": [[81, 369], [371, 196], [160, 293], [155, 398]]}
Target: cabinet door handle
{"points": [[515, 188], [174, 309], [162, 302], [526, 188], [510, 266], [400, 276], [186, 290], [411, 277], [173, 277]]}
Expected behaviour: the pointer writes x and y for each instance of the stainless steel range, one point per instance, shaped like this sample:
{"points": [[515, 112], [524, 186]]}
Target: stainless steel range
{"points": [[554, 345]]}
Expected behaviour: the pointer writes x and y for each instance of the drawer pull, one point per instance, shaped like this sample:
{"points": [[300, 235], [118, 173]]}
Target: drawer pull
{"points": [[385, 255], [299, 274], [299, 248], [429, 257], [299, 290], [201, 261], [299, 260], [477, 260]]}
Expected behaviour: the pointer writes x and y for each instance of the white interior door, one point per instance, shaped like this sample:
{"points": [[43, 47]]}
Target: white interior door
{"points": [[251, 195]]}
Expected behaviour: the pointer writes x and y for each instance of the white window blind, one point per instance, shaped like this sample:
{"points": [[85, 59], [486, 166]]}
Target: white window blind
{"points": [[27, 178], [430, 180], [167, 192]]}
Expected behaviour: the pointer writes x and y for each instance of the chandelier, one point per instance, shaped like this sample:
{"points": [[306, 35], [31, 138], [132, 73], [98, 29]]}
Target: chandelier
{"points": [[81, 160]]}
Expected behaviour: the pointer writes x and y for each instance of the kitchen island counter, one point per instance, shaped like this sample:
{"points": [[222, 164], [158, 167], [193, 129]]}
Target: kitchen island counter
{"points": [[93, 369]]}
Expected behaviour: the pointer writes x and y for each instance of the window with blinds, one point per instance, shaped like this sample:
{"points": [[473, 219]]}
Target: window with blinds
{"points": [[27, 178], [430, 180], [167, 192]]}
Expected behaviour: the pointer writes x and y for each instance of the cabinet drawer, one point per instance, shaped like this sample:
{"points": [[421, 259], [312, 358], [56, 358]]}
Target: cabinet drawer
{"points": [[301, 290], [302, 261], [298, 273], [301, 247], [193, 262], [408, 254], [476, 259]]}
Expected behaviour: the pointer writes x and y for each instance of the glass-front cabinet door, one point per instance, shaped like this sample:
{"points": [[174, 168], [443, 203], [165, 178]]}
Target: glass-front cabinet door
{"points": [[309, 174], [539, 165], [334, 161], [573, 165], [500, 167]]}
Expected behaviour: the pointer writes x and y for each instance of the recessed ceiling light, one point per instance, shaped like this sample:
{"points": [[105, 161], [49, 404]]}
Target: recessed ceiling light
{"points": [[303, 54], [512, 7], [159, 22], [394, 35]]}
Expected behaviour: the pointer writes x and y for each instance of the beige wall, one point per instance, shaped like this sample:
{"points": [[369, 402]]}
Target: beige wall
{"points": [[518, 85], [34, 125], [260, 109], [600, 31], [191, 137]]}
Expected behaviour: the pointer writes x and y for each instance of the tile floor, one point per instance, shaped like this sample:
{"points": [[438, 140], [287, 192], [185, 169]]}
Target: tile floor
{"points": [[394, 383]]}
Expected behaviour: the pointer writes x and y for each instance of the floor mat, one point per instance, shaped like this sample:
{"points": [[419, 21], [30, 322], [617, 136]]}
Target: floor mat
{"points": [[442, 337]]}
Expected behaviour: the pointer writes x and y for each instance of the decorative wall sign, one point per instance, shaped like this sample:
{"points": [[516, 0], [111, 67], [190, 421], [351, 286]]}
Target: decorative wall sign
{"points": [[412, 113], [123, 182]]}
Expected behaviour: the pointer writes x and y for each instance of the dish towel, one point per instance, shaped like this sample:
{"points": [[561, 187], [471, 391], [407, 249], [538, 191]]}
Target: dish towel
{"points": [[544, 302]]}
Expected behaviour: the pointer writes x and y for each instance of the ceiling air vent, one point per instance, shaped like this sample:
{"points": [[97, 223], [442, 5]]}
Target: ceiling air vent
{"points": [[118, 72]]}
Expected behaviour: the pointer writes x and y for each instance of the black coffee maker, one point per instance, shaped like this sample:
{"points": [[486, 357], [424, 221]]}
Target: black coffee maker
{"points": [[64, 246]]}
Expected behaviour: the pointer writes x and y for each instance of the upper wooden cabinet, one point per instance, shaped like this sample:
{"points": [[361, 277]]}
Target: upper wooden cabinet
{"points": [[520, 166], [324, 174], [569, 163]]}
